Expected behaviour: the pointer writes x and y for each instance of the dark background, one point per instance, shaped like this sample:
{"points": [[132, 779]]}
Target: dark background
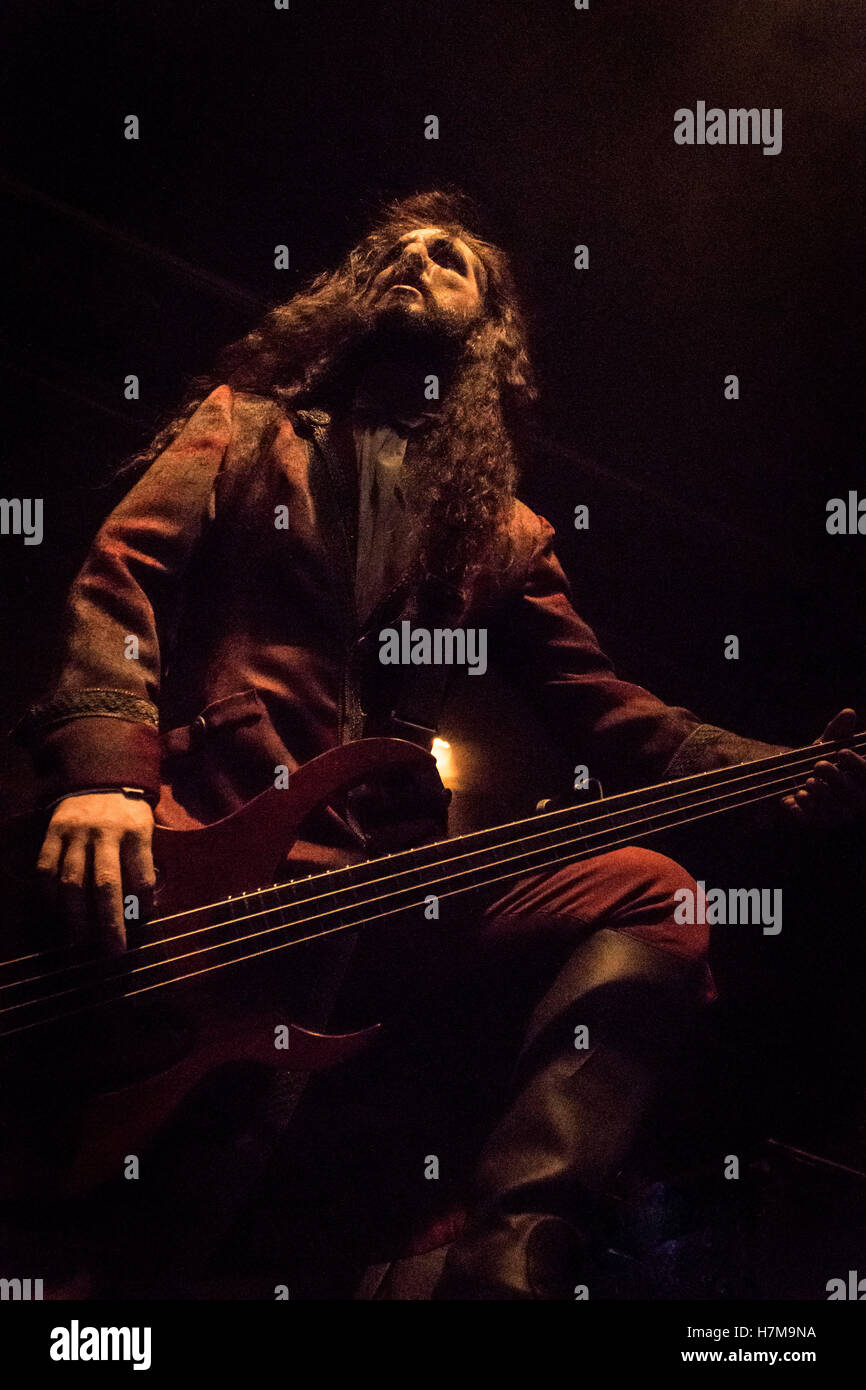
{"points": [[261, 126], [707, 517]]}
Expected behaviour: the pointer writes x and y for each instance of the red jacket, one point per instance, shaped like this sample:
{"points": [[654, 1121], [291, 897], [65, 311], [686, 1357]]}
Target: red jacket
{"points": [[205, 645]]}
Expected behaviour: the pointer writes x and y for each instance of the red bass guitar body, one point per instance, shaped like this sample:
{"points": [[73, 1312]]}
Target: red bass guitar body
{"points": [[83, 1091]]}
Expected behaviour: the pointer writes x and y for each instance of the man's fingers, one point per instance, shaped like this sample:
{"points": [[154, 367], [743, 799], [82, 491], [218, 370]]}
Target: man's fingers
{"points": [[48, 863], [821, 801], [85, 842], [139, 873], [836, 791], [854, 767], [107, 891], [72, 880], [841, 726], [795, 810], [840, 785]]}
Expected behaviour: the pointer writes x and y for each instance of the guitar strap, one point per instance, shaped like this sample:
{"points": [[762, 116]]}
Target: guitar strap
{"points": [[419, 707], [418, 710]]}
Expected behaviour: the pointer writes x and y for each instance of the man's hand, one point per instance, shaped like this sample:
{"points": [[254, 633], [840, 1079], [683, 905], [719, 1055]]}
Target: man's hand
{"points": [[98, 846], [836, 791]]}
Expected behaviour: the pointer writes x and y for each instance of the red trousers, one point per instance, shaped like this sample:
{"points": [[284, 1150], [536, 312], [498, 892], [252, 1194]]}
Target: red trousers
{"points": [[512, 941], [631, 889]]}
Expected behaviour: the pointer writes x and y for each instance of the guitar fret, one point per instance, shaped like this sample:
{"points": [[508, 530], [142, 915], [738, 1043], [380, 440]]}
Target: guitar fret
{"points": [[224, 933], [396, 881]]}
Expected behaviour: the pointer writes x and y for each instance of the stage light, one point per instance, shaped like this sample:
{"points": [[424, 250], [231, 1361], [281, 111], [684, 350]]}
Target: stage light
{"points": [[444, 756]]}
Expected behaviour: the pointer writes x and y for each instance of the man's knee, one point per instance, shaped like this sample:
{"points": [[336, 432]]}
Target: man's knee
{"points": [[632, 889], [640, 891], [649, 871]]}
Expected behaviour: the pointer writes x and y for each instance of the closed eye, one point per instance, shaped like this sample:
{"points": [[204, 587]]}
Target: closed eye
{"points": [[443, 251], [446, 253]]}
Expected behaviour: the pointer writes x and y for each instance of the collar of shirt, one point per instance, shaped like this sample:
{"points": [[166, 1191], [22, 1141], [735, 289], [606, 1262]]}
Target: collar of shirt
{"points": [[369, 415]]}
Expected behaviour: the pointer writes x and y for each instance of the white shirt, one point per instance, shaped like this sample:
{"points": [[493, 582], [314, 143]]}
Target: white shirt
{"points": [[384, 529]]}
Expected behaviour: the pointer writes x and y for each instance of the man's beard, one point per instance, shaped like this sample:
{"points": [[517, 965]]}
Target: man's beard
{"points": [[461, 474], [396, 329], [404, 361]]}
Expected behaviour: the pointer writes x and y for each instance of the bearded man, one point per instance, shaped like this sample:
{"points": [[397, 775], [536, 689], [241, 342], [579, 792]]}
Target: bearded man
{"points": [[351, 465]]}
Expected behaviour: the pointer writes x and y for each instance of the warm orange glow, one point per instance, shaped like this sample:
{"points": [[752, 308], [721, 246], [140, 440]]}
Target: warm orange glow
{"points": [[444, 758]]}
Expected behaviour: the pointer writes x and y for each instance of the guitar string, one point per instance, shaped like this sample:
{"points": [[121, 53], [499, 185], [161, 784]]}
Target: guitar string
{"points": [[351, 926], [755, 769], [314, 936], [280, 906]]}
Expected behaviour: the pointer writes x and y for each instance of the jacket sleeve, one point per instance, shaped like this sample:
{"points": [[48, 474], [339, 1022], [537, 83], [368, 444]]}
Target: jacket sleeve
{"points": [[99, 726], [625, 735]]}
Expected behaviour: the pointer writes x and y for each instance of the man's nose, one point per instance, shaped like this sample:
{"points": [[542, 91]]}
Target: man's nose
{"points": [[415, 256]]}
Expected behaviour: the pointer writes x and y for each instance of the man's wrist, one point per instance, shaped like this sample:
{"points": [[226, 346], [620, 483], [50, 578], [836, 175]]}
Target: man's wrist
{"points": [[137, 793]]}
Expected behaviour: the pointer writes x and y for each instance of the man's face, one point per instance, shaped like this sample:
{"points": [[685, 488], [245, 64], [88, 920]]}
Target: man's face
{"points": [[428, 277]]}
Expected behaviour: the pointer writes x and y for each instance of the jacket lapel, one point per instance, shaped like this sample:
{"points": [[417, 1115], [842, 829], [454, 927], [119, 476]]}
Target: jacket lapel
{"points": [[332, 461]]}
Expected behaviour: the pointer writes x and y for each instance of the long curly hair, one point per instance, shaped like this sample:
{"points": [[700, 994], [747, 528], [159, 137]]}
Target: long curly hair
{"points": [[303, 353]]}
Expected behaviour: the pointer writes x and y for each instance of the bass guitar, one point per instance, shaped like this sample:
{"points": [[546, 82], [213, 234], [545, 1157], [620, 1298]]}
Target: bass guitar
{"points": [[97, 1054]]}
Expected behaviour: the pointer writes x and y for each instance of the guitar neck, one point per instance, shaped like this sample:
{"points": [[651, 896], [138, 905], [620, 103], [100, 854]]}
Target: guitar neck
{"points": [[351, 897], [212, 937]]}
